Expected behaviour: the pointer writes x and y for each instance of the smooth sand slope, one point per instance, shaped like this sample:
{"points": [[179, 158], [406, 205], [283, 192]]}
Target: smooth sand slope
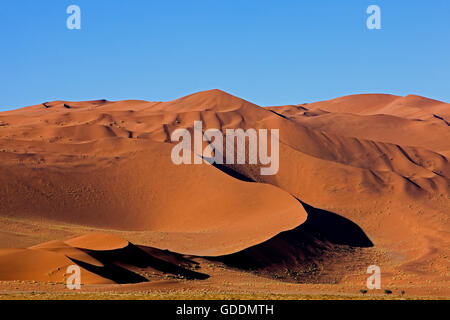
{"points": [[362, 171]]}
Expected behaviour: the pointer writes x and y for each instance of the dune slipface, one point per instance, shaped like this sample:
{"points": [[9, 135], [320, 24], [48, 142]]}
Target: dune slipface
{"points": [[102, 259], [374, 167]]}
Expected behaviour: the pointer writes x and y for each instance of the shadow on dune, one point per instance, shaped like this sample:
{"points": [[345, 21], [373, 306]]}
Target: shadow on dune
{"points": [[317, 251], [334, 228], [112, 272], [320, 250], [231, 172], [122, 265], [322, 223]]}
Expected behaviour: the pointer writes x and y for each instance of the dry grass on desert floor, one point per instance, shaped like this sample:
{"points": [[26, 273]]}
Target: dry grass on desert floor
{"points": [[187, 295], [223, 285]]}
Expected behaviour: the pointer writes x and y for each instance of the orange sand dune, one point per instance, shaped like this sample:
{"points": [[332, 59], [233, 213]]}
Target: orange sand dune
{"points": [[98, 241], [410, 107], [39, 265], [120, 261], [112, 171], [378, 161], [379, 127], [146, 191]]}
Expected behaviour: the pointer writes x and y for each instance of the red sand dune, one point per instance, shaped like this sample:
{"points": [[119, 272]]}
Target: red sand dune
{"points": [[102, 258], [378, 161]]}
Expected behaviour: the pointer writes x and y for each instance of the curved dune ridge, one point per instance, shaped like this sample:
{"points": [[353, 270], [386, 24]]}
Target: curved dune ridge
{"points": [[102, 259], [378, 161]]}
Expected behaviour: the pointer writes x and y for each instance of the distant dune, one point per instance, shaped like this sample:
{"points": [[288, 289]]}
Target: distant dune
{"points": [[360, 176]]}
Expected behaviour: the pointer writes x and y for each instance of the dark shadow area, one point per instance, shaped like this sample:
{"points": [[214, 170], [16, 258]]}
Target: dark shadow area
{"points": [[280, 115], [334, 228], [322, 232], [325, 225], [119, 264], [232, 172], [442, 119], [112, 272], [322, 250]]}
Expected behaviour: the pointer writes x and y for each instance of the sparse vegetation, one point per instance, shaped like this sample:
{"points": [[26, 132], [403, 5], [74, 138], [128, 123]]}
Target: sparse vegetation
{"points": [[183, 295]]}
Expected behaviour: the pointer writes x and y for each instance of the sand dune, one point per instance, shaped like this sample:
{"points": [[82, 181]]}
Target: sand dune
{"points": [[380, 127], [410, 107], [144, 190], [378, 161], [102, 258]]}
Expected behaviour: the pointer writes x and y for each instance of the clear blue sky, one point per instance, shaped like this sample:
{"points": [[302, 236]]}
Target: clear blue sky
{"points": [[268, 52]]}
